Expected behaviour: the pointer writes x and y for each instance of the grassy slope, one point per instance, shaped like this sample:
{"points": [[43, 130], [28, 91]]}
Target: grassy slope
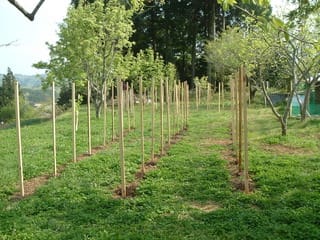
{"points": [[171, 201]]}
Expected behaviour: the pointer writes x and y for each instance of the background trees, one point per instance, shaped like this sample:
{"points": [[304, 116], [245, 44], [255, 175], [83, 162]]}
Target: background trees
{"points": [[7, 109], [92, 40]]}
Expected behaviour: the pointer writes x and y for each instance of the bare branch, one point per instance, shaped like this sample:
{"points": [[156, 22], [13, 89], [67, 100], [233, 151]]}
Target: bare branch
{"points": [[31, 15], [8, 44]]}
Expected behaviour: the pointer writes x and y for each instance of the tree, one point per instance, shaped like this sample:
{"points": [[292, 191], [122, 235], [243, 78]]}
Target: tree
{"points": [[7, 106], [91, 43], [7, 89]]}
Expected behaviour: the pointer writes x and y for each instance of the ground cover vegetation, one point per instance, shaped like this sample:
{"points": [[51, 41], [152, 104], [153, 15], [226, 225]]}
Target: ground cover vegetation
{"points": [[191, 192], [189, 195]]}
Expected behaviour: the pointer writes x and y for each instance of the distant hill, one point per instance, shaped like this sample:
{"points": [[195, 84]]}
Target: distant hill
{"points": [[27, 81]]}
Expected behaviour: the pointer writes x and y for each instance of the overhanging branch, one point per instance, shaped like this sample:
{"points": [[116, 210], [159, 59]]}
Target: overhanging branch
{"points": [[31, 15]]}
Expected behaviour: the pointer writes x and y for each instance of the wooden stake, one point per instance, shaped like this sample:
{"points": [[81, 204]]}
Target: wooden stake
{"points": [[168, 110], [152, 119], [197, 93], [54, 130], [233, 111], [74, 144], [132, 102], [89, 117], [17, 101], [182, 104], [219, 96], [121, 140], [187, 104], [104, 113], [161, 118], [240, 120], [222, 94], [245, 137], [142, 122], [127, 101], [113, 112], [208, 95]]}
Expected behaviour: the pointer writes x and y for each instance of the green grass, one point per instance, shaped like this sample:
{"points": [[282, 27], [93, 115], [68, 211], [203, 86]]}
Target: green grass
{"points": [[169, 203]]}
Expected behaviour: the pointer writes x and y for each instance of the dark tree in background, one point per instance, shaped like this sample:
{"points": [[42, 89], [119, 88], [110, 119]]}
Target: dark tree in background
{"points": [[7, 89], [178, 30], [7, 109]]}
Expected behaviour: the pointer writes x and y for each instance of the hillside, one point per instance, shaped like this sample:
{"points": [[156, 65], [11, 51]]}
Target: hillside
{"points": [[27, 81]]}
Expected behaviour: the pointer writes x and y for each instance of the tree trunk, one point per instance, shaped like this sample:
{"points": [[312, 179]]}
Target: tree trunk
{"points": [[305, 105]]}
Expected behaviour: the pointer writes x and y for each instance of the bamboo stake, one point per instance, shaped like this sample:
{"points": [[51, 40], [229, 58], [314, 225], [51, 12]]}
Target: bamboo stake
{"points": [[156, 97], [161, 118], [54, 130], [219, 96], [187, 103], [233, 111], [89, 117], [74, 144], [181, 105], [197, 96], [16, 93], [236, 92], [121, 140], [104, 113], [113, 112], [245, 136], [208, 95], [240, 120], [168, 110], [132, 102], [127, 102], [222, 94], [176, 119], [142, 123], [152, 119]]}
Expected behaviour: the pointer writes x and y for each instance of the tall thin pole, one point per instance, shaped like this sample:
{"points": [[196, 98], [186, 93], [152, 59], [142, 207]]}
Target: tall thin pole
{"points": [[240, 120], [89, 117], [142, 122], [197, 97], [132, 102], [112, 114], [127, 102], [121, 140], [104, 113], [54, 130], [245, 137], [182, 105], [219, 96], [168, 110], [161, 118], [187, 104], [74, 144], [208, 95], [16, 93], [152, 119]]}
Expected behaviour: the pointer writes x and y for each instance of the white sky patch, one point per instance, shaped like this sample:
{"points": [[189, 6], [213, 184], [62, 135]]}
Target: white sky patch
{"points": [[30, 37]]}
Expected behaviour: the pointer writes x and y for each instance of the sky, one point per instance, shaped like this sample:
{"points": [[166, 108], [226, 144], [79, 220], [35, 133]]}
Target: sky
{"points": [[30, 36]]}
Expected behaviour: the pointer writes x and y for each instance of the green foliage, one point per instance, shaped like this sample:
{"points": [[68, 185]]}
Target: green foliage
{"points": [[188, 195], [90, 47], [7, 97]]}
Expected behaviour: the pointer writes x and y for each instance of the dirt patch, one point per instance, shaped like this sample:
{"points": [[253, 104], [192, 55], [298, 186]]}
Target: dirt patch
{"points": [[284, 149], [236, 176], [147, 167], [213, 141], [205, 207], [31, 185]]}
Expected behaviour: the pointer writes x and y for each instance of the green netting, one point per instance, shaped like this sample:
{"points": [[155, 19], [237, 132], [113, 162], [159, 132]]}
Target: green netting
{"points": [[314, 107]]}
